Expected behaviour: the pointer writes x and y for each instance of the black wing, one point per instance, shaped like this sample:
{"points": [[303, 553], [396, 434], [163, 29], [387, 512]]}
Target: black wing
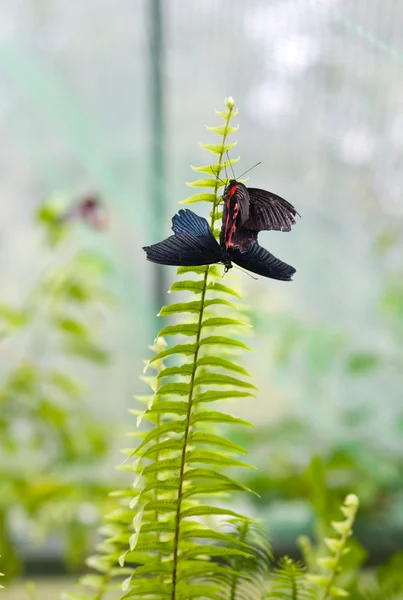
{"points": [[267, 211], [192, 244], [258, 260]]}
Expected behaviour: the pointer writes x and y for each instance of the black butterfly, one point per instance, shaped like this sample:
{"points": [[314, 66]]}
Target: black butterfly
{"points": [[250, 210], [193, 244]]}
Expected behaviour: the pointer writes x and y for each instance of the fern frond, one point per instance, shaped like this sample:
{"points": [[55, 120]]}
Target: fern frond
{"points": [[249, 574], [338, 546], [180, 457], [290, 582]]}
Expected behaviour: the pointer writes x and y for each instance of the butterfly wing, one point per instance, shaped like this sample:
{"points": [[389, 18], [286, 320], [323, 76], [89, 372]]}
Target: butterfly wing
{"points": [[192, 244], [259, 260], [267, 211]]}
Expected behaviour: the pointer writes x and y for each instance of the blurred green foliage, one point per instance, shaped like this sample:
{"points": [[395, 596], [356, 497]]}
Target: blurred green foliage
{"points": [[51, 442]]}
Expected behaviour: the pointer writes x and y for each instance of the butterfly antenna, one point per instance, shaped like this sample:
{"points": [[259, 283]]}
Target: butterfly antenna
{"points": [[230, 163], [244, 173], [216, 175], [246, 272]]}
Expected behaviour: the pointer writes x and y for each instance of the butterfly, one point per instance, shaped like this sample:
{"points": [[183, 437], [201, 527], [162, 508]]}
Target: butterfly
{"points": [[250, 210], [194, 244], [90, 211]]}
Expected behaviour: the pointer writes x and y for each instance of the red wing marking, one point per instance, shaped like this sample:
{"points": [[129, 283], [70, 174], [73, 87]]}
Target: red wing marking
{"points": [[232, 191], [229, 232]]}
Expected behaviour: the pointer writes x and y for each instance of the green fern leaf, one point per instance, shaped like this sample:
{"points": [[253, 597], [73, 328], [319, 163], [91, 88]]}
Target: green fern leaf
{"points": [[222, 322], [219, 287], [212, 440], [178, 349], [222, 129], [218, 379], [189, 329], [202, 511], [215, 361], [167, 407], [222, 341], [220, 149], [205, 197], [218, 417], [218, 301], [206, 183], [183, 370], [180, 307], [178, 389], [224, 114], [188, 285], [214, 395], [164, 429]]}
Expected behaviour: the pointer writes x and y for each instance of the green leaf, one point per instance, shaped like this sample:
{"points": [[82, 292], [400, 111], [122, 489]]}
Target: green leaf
{"points": [[200, 269], [218, 379], [171, 444], [214, 340], [65, 383], [188, 285], [219, 287], [214, 440], [215, 301], [72, 326], [178, 349], [209, 550], [206, 197], [88, 350], [183, 370], [211, 475], [216, 395], [361, 362], [167, 464], [180, 389], [164, 429], [215, 361], [218, 148], [14, 317], [211, 534], [214, 458], [211, 490], [206, 182], [215, 169], [180, 307], [162, 505], [217, 417], [201, 511], [177, 408], [182, 329], [223, 129], [226, 115], [223, 321]]}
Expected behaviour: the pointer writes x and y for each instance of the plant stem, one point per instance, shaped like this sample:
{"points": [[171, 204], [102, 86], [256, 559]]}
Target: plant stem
{"points": [[192, 379]]}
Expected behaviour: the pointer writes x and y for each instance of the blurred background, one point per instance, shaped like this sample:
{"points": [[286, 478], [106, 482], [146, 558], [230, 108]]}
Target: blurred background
{"points": [[108, 100]]}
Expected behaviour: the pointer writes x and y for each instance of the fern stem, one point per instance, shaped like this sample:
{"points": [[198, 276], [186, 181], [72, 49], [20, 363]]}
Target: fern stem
{"points": [[192, 379]]}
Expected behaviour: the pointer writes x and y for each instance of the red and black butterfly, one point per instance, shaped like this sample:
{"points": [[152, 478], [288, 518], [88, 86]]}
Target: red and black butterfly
{"points": [[250, 210], [90, 211], [193, 244]]}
